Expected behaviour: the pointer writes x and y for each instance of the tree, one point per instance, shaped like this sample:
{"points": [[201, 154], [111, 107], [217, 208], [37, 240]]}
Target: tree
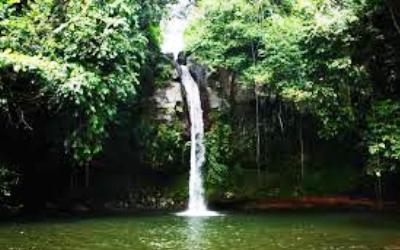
{"points": [[80, 59]]}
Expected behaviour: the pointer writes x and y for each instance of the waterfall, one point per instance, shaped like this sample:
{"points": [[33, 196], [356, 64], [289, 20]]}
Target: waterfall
{"points": [[197, 204], [173, 30], [174, 27]]}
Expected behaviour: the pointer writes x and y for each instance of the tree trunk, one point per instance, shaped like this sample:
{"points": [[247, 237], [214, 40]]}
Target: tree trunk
{"points": [[258, 137], [379, 193], [87, 176], [392, 9], [72, 180], [301, 141], [280, 119], [232, 90]]}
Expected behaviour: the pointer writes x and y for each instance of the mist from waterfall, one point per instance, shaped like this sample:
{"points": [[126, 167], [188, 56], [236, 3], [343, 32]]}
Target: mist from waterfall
{"points": [[173, 28], [173, 35]]}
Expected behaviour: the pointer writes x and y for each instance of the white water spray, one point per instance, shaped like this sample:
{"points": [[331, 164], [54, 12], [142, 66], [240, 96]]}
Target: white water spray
{"points": [[173, 30], [197, 204], [174, 27]]}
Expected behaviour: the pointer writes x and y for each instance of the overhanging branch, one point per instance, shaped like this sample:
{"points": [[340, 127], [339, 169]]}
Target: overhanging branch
{"points": [[393, 15]]}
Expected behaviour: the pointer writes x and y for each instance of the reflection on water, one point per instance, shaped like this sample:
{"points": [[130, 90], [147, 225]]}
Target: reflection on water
{"points": [[187, 233], [323, 231], [195, 233]]}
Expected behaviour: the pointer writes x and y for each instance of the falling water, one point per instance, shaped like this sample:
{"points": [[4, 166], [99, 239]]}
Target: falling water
{"points": [[174, 27], [173, 30], [197, 204]]}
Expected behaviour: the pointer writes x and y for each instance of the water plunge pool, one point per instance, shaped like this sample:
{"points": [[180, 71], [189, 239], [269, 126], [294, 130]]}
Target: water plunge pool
{"points": [[271, 231]]}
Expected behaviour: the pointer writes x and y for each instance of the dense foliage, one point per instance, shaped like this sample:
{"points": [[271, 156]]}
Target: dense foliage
{"points": [[383, 136], [164, 146], [8, 180], [309, 53], [77, 58], [219, 153]]}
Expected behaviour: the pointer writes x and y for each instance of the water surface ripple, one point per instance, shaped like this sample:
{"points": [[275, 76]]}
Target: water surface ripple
{"points": [[303, 231]]}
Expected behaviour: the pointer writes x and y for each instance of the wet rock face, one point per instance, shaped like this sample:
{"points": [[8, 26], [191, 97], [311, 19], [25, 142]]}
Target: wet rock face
{"points": [[182, 58], [226, 87], [218, 91], [169, 101], [177, 72], [198, 72]]}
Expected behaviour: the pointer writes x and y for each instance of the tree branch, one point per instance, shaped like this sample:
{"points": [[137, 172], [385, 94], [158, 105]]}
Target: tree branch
{"points": [[23, 121], [393, 15]]}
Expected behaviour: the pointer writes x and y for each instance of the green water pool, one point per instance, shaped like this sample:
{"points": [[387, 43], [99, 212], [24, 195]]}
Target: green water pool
{"points": [[270, 231]]}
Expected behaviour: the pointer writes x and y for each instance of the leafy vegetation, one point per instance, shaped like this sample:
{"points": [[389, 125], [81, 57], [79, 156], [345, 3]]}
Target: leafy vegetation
{"points": [[307, 53], [163, 145], [8, 181], [80, 57], [219, 153], [383, 137]]}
